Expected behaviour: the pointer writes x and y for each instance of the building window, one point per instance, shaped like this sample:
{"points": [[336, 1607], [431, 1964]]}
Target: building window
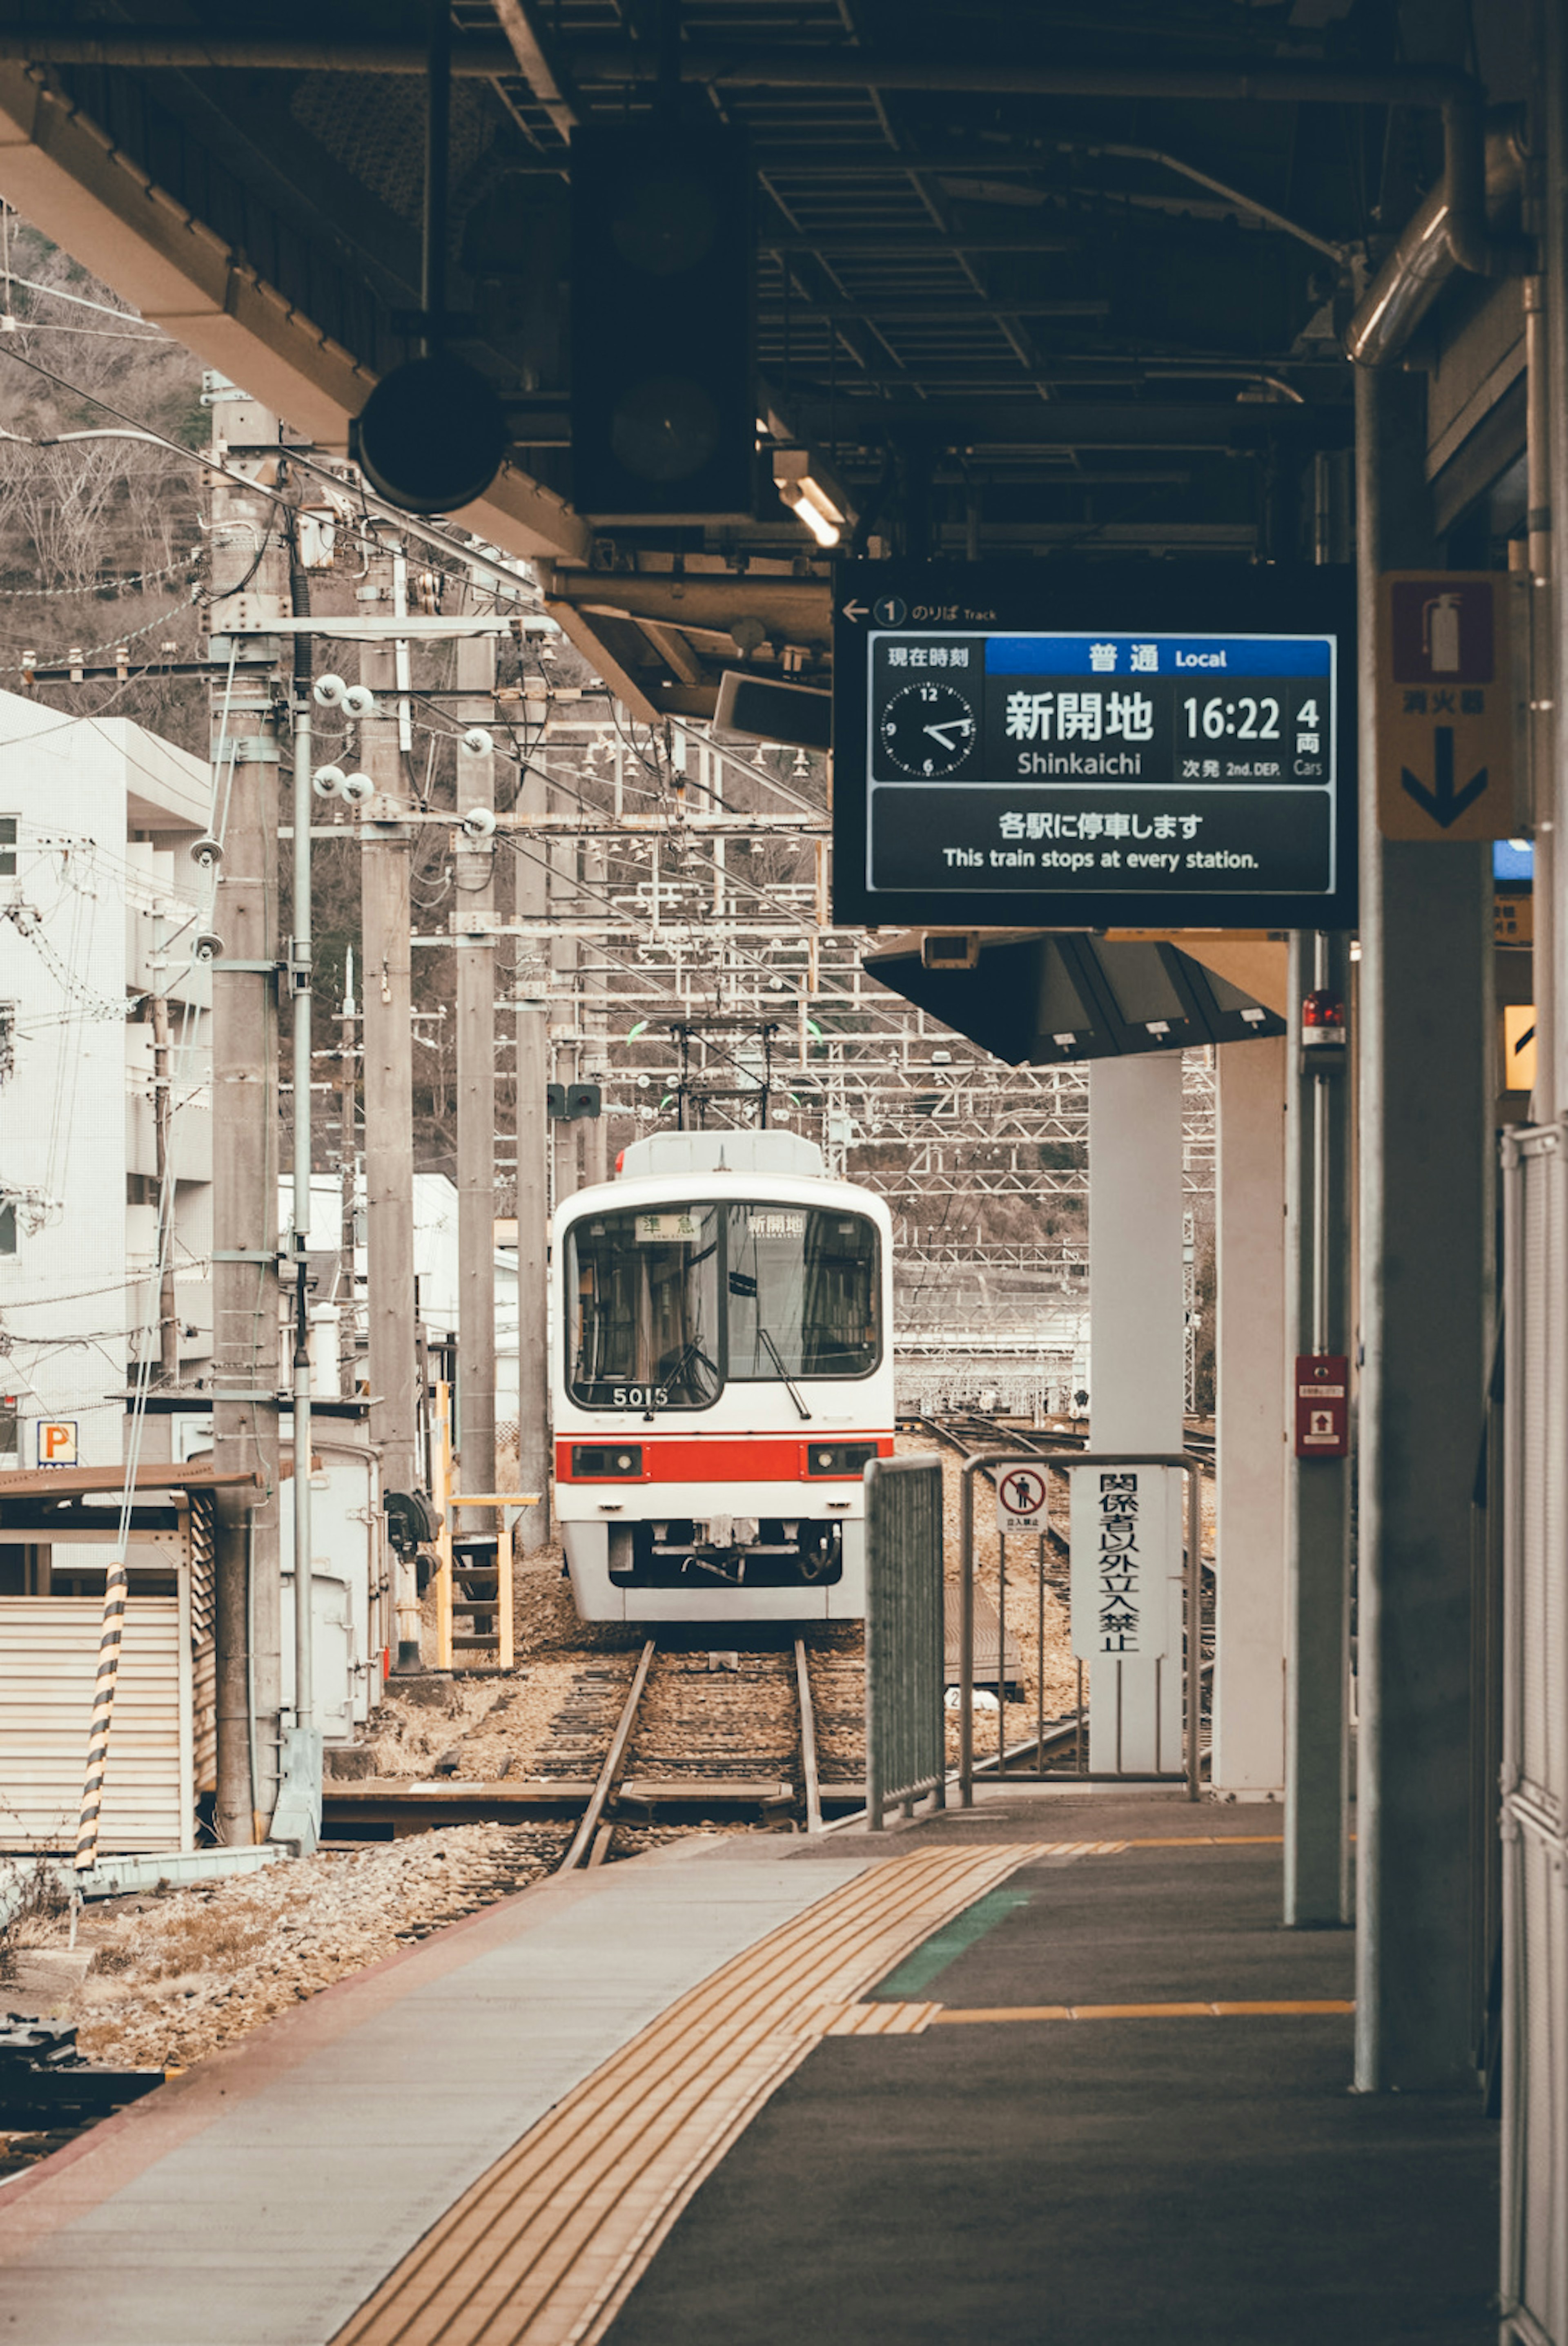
{"points": [[7, 846], [7, 1228]]}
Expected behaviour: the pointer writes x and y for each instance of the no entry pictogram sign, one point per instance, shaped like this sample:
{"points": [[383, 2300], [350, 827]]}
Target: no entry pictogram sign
{"points": [[1020, 1499]]}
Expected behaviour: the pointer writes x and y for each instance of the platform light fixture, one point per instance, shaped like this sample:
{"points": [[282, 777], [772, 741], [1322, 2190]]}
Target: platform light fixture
{"points": [[807, 486]]}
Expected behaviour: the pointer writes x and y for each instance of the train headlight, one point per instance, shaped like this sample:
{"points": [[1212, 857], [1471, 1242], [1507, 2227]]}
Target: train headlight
{"points": [[608, 1462], [839, 1457]]}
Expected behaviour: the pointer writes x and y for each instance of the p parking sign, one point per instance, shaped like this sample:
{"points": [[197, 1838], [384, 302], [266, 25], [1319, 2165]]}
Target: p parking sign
{"points": [[56, 1442]]}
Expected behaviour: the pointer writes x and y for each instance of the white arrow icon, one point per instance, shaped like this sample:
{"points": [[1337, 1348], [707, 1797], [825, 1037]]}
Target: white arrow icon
{"points": [[856, 611]]}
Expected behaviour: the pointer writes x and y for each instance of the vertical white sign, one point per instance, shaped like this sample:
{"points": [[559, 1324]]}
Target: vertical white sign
{"points": [[1125, 1520]]}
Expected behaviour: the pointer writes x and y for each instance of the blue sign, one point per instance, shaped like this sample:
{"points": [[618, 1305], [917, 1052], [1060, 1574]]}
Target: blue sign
{"points": [[1090, 746]]}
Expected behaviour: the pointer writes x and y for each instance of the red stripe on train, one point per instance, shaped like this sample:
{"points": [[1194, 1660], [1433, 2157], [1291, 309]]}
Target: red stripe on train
{"points": [[720, 1457]]}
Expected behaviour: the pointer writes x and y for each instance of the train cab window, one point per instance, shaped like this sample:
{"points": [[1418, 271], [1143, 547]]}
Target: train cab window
{"points": [[643, 1319], [803, 1292]]}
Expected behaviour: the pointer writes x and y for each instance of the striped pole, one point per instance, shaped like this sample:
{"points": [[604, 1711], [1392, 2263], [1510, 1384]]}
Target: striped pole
{"points": [[114, 1587]]}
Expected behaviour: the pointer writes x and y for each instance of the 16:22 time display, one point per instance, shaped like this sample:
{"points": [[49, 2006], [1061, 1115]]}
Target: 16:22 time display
{"points": [[1241, 721]]}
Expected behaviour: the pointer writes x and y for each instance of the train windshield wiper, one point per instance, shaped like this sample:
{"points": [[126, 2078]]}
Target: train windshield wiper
{"points": [[790, 1387]]}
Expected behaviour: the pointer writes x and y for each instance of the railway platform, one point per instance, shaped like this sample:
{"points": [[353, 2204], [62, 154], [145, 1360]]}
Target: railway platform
{"points": [[1045, 2070]]}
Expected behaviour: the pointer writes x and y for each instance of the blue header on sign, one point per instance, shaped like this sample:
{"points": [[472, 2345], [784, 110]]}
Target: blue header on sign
{"points": [[1200, 658]]}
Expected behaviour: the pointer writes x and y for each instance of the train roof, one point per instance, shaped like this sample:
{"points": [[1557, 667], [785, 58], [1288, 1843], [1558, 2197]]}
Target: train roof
{"points": [[753, 1151]]}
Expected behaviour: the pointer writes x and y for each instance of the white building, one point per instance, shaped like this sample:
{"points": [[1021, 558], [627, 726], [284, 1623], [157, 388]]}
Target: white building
{"points": [[99, 904]]}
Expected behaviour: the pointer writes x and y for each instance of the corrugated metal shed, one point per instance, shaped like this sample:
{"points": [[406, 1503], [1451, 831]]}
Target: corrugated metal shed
{"points": [[48, 1664]]}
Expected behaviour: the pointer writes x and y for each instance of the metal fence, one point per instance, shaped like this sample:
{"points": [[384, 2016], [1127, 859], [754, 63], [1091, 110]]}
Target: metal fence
{"points": [[990, 1461], [905, 1677], [1534, 2279]]}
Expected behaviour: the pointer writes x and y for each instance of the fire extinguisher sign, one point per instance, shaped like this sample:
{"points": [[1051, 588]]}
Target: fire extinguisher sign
{"points": [[1446, 705], [1322, 1405]]}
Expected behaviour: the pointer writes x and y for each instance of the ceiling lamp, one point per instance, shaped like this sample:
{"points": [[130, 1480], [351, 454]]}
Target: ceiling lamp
{"points": [[809, 490]]}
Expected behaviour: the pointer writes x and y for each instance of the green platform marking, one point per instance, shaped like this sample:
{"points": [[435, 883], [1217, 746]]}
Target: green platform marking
{"points": [[932, 1956]]}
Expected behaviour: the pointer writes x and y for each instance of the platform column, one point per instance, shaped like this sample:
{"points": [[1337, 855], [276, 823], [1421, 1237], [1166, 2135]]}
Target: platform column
{"points": [[1136, 1319], [1318, 1515], [1249, 1761], [1425, 1244]]}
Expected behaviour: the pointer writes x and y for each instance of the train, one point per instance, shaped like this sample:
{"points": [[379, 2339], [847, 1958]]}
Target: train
{"points": [[721, 1373]]}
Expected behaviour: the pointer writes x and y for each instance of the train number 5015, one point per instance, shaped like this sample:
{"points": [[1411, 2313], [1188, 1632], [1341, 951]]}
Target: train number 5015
{"points": [[640, 1397]]}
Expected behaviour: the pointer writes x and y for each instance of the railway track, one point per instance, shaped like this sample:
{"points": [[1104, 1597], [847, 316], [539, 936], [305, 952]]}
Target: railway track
{"points": [[673, 1736], [702, 1733]]}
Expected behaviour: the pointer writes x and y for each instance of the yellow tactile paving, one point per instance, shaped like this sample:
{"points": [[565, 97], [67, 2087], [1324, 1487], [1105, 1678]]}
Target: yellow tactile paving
{"points": [[543, 2249], [880, 2019]]}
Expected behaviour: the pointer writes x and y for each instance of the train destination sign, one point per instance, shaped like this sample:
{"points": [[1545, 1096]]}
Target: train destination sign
{"points": [[1084, 746]]}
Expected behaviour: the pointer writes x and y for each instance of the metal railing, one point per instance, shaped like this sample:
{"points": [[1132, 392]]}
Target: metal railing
{"points": [[905, 1719], [984, 1461]]}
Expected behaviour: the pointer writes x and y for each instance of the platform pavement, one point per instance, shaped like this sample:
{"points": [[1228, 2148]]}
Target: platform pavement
{"points": [[613, 2107]]}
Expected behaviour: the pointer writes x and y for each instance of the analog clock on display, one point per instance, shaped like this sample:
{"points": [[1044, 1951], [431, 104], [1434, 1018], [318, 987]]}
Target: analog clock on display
{"points": [[928, 729]]}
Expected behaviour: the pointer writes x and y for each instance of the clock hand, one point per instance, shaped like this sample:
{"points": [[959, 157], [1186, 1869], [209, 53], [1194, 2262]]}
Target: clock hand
{"points": [[941, 732]]}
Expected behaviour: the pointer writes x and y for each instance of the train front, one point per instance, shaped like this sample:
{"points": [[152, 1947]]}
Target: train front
{"points": [[722, 1371]]}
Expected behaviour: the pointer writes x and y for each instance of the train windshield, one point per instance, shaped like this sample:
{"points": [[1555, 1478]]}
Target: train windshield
{"points": [[643, 1323], [803, 1292], [662, 1306]]}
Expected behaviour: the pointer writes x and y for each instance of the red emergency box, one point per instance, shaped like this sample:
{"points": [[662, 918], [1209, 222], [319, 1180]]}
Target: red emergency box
{"points": [[1322, 1405]]}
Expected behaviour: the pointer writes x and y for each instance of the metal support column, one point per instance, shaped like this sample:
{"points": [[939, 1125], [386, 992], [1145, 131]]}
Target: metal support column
{"points": [[1426, 1239], [1319, 1312], [248, 1586], [389, 1127], [474, 899]]}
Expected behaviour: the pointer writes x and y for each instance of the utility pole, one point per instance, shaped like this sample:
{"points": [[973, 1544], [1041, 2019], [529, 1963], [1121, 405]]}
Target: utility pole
{"points": [[388, 1031], [297, 1818], [475, 878], [163, 1117], [347, 1178], [249, 570], [565, 897], [532, 1140]]}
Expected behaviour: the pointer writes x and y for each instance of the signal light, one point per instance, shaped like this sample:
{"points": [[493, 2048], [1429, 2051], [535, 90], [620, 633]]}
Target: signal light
{"points": [[663, 416], [1323, 1025], [566, 1102]]}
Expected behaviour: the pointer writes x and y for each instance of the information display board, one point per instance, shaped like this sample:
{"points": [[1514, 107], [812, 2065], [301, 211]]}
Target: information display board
{"points": [[1064, 745]]}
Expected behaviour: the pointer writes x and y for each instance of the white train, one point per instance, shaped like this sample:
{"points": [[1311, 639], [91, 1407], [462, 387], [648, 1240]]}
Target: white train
{"points": [[721, 1367]]}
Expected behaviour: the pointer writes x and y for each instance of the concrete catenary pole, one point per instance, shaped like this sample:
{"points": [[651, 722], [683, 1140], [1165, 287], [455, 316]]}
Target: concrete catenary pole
{"points": [[163, 1120], [250, 571], [1425, 1248], [388, 1031], [533, 1135], [474, 873]]}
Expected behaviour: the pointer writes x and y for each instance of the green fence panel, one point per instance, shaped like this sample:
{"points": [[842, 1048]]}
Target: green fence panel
{"points": [[905, 1720]]}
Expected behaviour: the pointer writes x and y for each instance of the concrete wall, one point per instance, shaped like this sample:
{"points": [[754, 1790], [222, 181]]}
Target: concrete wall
{"points": [[103, 906]]}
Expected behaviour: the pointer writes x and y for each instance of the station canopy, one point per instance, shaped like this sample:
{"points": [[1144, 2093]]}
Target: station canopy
{"points": [[1025, 278]]}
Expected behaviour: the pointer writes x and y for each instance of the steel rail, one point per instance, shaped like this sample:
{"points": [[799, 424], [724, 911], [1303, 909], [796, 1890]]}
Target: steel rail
{"points": [[808, 1741], [588, 1848]]}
